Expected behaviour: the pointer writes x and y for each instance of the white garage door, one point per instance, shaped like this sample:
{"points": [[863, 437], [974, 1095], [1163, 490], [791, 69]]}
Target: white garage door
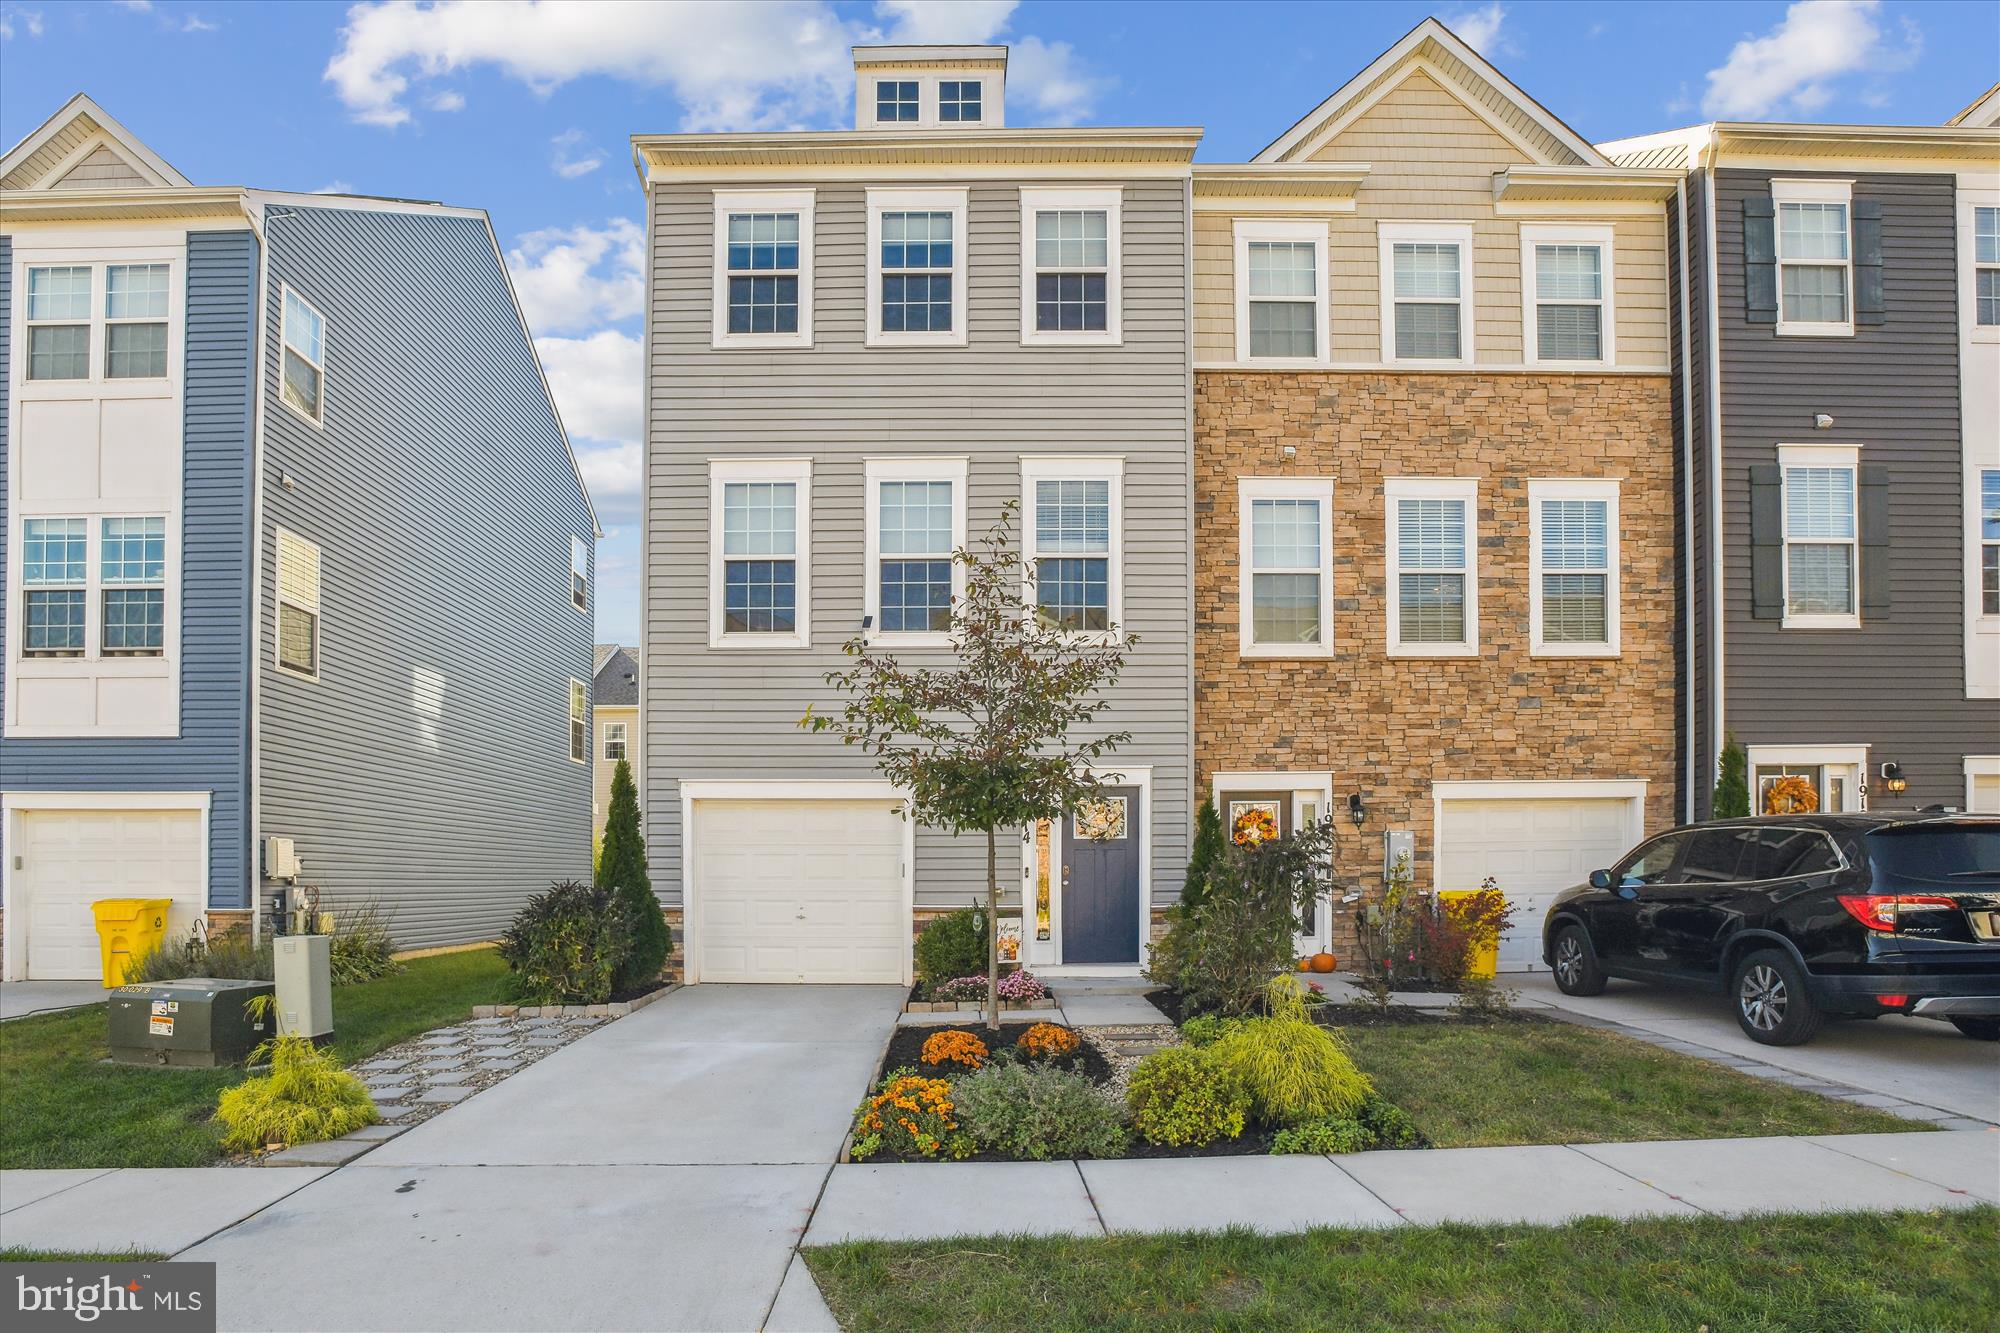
{"points": [[72, 858], [1533, 849], [799, 891]]}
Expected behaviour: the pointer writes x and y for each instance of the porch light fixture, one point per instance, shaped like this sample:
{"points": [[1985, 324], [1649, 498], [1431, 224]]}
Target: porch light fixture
{"points": [[1823, 421], [1893, 780], [1355, 812]]}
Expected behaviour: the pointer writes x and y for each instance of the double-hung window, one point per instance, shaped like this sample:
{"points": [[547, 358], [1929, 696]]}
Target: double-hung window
{"points": [[1426, 276], [763, 268], [1070, 266], [958, 101], [579, 573], [1433, 583], [135, 321], [1285, 554], [1573, 558], [1815, 288], [55, 570], [59, 322], [1986, 266], [896, 102], [916, 267], [614, 740], [759, 578], [1074, 544], [1568, 283], [579, 722], [303, 383], [1989, 542], [133, 559], [916, 520], [1281, 311], [1820, 574], [298, 606]]}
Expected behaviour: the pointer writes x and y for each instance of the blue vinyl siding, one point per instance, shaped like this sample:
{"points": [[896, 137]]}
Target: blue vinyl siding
{"points": [[427, 769], [210, 754]]}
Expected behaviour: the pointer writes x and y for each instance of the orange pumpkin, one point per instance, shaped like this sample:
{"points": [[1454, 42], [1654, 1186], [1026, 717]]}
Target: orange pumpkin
{"points": [[1305, 964], [1324, 962]]}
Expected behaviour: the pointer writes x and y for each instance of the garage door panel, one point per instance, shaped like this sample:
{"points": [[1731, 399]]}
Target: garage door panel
{"points": [[1533, 848], [72, 858], [791, 891]]}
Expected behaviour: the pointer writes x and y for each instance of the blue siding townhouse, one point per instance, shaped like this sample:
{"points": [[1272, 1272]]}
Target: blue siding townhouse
{"points": [[295, 548]]}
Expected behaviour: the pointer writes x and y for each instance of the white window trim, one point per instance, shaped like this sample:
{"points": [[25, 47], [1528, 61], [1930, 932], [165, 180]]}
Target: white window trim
{"points": [[279, 537], [579, 550], [1979, 766], [573, 725], [1569, 488], [921, 201], [1979, 621], [1970, 202], [1388, 234], [1111, 202], [101, 664], [1846, 456], [876, 471], [721, 471], [1811, 192], [1043, 467], [760, 201], [1544, 233], [1249, 490], [1278, 229], [991, 94], [1431, 488], [623, 738], [1810, 756], [97, 260], [325, 325]]}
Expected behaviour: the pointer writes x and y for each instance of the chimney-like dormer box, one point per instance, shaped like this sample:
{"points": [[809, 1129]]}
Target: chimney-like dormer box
{"points": [[930, 87]]}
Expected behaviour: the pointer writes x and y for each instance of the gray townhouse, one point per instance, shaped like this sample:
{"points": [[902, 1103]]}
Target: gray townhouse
{"points": [[297, 561], [861, 345], [1837, 395]]}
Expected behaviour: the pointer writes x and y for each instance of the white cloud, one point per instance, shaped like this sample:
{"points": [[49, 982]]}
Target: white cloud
{"points": [[779, 64], [335, 187], [20, 20], [196, 23], [596, 382], [582, 277], [136, 6], [574, 156], [1480, 29], [1797, 64], [448, 100]]}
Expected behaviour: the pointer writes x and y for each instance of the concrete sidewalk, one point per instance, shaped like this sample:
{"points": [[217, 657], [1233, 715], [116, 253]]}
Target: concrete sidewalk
{"points": [[18, 999], [1545, 1184]]}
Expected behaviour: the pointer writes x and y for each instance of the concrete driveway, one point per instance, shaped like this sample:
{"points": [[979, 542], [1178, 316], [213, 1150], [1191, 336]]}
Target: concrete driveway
{"points": [[656, 1174], [1916, 1059], [18, 999]]}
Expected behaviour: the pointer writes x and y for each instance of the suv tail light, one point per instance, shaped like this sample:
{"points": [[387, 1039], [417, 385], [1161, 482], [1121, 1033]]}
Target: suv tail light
{"points": [[1878, 911]]}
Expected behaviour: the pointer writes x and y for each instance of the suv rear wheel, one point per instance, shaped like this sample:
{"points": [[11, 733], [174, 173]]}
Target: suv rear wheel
{"points": [[1576, 969], [1773, 1005], [1979, 1028]]}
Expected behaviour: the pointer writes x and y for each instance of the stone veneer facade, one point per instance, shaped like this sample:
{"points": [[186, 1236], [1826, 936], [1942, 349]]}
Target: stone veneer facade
{"points": [[1388, 727]]}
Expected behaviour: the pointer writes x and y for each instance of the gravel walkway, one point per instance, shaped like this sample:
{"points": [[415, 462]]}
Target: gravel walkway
{"points": [[414, 1081]]}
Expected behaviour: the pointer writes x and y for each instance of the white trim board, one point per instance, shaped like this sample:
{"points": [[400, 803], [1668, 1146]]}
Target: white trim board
{"points": [[1136, 775]]}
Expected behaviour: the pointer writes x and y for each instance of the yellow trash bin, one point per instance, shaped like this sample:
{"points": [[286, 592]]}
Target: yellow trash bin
{"points": [[128, 929], [1485, 962]]}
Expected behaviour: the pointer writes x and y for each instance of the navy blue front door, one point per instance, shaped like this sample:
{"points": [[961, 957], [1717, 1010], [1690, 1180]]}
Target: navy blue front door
{"points": [[1100, 894]]}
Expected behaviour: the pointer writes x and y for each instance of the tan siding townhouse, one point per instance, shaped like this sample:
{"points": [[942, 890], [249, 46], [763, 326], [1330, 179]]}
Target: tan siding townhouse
{"points": [[1435, 487]]}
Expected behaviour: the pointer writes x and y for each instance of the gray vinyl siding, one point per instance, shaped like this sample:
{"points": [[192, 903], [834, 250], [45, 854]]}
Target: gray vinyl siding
{"points": [[733, 713], [443, 500], [1896, 684], [210, 752]]}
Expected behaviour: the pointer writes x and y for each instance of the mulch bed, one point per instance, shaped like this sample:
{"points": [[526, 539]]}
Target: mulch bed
{"points": [[907, 1046], [627, 996]]}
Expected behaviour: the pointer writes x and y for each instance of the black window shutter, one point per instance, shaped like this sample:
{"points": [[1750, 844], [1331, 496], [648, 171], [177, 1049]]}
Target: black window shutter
{"points": [[1868, 304], [1760, 260], [1874, 503], [1767, 543]]}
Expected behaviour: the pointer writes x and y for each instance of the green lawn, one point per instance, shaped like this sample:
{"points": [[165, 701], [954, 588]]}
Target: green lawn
{"points": [[1473, 1084], [1844, 1272], [61, 1107], [8, 1256]]}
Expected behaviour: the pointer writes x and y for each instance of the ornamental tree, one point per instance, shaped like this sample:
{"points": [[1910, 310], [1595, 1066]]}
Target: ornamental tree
{"points": [[621, 868], [1003, 736]]}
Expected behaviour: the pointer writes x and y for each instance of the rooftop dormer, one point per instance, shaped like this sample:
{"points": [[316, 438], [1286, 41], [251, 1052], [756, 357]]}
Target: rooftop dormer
{"points": [[929, 87]]}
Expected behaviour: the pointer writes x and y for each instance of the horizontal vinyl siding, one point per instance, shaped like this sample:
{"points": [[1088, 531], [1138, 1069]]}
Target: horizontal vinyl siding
{"points": [[733, 713], [443, 501], [209, 754], [1896, 684]]}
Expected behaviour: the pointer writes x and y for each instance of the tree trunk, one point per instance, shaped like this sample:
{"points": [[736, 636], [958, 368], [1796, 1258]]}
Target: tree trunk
{"points": [[992, 933]]}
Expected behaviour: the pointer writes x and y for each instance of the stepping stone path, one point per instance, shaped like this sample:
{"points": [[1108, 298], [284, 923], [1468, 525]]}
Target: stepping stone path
{"points": [[1126, 1045]]}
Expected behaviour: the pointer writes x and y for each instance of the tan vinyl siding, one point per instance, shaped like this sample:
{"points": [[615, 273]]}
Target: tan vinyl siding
{"points": [[101, 170], [601, 769], [1431, 159], [732, 714]]}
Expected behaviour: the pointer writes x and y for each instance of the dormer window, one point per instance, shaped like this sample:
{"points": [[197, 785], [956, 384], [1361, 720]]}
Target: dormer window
{"points": [[896, 101], [958, 100]]}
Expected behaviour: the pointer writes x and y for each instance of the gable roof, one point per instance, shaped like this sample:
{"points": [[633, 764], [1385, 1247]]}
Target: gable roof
{"points": [[1435, 49], [1983, 113], [615, 683], [83, 132]]}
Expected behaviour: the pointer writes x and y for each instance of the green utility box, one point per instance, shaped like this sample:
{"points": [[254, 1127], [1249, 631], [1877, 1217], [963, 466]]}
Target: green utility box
{"points": [[194, 1023]]}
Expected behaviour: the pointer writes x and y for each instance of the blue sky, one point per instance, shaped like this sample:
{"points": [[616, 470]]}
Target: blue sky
{"points": [[525, 109]]}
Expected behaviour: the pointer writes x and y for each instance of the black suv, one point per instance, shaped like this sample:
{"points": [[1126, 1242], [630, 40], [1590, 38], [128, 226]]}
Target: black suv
{"points": [[1799, 918]]}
